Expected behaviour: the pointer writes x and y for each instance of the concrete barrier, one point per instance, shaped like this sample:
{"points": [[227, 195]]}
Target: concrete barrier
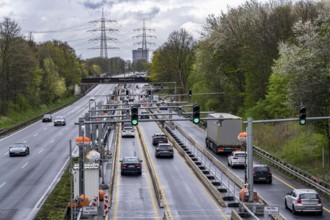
{"points": [[154, 178]]}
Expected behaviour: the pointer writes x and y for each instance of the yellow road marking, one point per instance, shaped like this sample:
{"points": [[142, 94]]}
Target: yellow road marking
{"points": [[160, 185], [285, 183], [148, 180], [117, 167]]}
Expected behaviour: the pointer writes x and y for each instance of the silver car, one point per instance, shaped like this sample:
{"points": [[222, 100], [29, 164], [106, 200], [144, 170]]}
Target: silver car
{"points": [[304, 200], [19, 149], [128, 132], [59, 121]]}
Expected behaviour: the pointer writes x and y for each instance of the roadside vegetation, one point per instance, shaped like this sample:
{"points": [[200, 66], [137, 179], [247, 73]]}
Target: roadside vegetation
{"points": [[265, 60]]}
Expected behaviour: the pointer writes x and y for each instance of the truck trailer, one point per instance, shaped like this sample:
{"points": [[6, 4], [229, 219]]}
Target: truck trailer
{"points": [[221, 135]]}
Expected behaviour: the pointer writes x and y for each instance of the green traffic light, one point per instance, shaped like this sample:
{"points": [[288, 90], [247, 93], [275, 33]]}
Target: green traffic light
{"points": [[134, 122], [196, 120], [302, 122]]}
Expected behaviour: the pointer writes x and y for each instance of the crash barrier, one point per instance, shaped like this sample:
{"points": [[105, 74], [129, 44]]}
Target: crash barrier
{"points": [[154, 178], [297, 173], [114, 164], [222, 167], [235, 215], [214, 191], [166, 216], [7, 131]]}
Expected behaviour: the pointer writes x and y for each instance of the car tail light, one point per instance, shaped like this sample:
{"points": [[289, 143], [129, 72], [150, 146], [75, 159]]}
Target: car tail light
{"points": [[320, 202], [254, 173], [235, 158], [137, 165], [124, 166], [299, 200]]}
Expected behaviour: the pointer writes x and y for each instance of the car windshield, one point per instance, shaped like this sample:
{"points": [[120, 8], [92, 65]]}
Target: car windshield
{"points": [[164, 145], [160, 135], [131, 160], [18, 145], [240, 155], [309, 196], [46, 116], [59, 117], [261, 169], [128, 129]]}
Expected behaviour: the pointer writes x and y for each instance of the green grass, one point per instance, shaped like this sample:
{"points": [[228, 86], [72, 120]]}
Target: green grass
{"points": [[297, 145], [55, 205], [17, 117]]}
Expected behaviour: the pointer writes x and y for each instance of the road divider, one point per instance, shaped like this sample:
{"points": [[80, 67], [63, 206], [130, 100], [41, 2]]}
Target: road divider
{"points": [[154, 178]]}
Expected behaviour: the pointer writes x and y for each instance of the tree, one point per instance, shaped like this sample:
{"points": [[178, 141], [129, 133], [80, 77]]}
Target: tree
{"points": [[174, 59], [305, 65], [17, 67]]}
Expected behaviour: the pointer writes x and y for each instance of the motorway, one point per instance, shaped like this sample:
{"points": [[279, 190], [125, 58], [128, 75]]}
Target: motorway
{"points": [[26, 181]]}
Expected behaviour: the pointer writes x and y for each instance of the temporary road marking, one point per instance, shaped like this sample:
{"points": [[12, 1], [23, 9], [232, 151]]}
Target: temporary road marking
{"points": [[41, 151], [24, 165]]}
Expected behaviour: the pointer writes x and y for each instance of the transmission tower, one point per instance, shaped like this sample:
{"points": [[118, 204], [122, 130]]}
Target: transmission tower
{"points": [[103, 39], [144, 42]]}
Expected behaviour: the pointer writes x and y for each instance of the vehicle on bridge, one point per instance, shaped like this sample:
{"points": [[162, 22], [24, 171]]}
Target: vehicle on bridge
{"points": [[222, 131]]}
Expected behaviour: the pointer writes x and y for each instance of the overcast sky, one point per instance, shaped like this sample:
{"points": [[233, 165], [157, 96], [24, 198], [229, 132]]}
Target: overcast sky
{"points": [[72, 21]]}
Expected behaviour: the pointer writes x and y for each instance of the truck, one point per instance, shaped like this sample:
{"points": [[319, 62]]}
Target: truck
{"points": [[222, 131]]}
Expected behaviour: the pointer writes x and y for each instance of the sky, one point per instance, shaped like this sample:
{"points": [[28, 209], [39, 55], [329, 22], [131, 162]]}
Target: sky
{"points": [[77, 22]]}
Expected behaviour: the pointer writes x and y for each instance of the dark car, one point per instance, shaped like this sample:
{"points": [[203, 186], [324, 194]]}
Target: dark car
{"points": [[164, 150], [159, 138], [262, 173], [47, 118], [131, 165], [19, 149], [144, 115], [59, 121]]}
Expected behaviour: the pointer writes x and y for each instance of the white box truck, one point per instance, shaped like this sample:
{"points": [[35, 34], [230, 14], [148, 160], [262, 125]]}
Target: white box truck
{"points": [[221, 135]]}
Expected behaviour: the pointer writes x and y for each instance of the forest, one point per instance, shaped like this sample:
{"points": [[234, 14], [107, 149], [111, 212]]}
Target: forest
{"points": [[265, 60]]}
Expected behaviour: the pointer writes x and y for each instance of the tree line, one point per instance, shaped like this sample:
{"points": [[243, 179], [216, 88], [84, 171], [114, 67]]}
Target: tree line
{"points": [[266, 59]]}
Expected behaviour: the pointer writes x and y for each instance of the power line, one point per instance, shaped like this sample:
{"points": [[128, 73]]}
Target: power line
{"points": [[144, 42], [103, 37]]}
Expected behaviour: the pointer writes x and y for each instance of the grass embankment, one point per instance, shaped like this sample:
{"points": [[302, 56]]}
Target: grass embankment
{"points": [[297, 145], [56, 203], [14, 118]]}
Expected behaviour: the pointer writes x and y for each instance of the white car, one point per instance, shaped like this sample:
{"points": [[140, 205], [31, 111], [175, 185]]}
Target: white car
{"points": [[128, 132], [304, 200], [237, 158]]}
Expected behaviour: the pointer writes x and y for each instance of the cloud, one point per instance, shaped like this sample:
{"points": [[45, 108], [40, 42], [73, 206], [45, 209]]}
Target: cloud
{"points": [[96, 4]]}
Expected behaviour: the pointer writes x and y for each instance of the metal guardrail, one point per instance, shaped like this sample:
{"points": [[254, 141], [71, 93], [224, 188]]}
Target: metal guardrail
{"points": [[303, 176]]}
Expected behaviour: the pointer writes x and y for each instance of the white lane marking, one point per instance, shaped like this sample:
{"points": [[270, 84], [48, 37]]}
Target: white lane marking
{"points": [[36, 134], [24, 165], [41, 151], [2, 184], [6, 153], [25, 141], [45, 128], [60, 133], [52, 141]]}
